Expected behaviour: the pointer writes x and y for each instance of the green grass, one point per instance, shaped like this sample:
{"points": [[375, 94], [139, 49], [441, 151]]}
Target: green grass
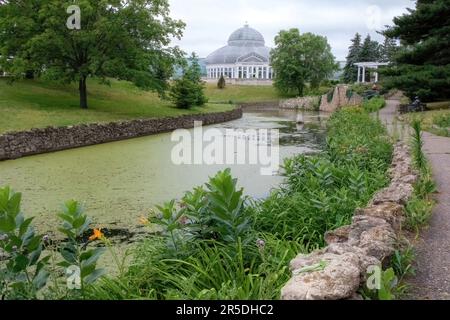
{"points": [[374, 104], [241, 94], [35, 104], [436, 122]]}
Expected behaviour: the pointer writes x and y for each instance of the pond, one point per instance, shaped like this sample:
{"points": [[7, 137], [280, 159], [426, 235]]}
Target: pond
{"points": [[120, 182]]}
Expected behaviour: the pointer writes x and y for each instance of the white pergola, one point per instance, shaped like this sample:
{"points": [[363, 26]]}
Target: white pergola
{"points": [[362, 66]]}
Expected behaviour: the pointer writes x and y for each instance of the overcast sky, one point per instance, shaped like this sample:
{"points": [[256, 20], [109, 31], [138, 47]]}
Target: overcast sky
{"points": [[210, 22]]}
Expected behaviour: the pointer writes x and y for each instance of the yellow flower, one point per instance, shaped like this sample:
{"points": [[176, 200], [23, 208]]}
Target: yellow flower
{"points": [[96, 235], [144, 221]]}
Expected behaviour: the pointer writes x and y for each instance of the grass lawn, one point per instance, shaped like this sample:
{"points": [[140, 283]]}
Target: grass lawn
{"points": [[241, 94], [34, 104], [436, 122]]}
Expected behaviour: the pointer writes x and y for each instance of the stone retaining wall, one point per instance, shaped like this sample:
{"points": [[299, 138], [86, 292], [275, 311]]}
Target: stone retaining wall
{"points": [[369, 241], [35, 141], [340, 99]]}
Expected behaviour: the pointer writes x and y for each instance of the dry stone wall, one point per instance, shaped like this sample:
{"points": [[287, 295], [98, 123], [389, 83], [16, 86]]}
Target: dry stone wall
{"points": [[339, 99], [19, 144], [369, 241]]}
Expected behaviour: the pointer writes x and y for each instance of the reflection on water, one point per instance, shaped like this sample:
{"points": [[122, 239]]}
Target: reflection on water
{"points": [[121, 181]]}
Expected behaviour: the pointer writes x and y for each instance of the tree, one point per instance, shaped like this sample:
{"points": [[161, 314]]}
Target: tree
{"points": [[221, 83], [350, 70], [127, 40], [389, 49], [188, 91], [370, 50], [298, 59], [422, 65]]}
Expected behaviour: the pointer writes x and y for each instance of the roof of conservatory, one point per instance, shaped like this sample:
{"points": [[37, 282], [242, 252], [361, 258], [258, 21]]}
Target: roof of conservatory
{"points": [[244, 44]]}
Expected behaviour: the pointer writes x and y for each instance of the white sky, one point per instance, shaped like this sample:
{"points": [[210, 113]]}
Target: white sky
{"points": [[210, 22]]}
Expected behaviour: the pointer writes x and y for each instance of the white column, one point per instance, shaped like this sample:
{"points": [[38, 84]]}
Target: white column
{"points": [[376, 74], [267, 72], [364, 75], [359, 75], [248, 72]]}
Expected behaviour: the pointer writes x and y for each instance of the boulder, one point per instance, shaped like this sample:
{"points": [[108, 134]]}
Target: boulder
{"points": [[339, 279], [397, 192], [337, 236], [391, 212]]}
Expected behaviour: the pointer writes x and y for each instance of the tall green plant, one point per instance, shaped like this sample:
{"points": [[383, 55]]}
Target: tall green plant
{"points": [[24, 273], [417, 145], [75, 252]]}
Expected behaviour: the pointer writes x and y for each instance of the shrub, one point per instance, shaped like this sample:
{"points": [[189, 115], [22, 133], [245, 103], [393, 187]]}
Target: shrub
{"points": [[188, 91], [322, 191], [221, 83], [24, 273], [374, 104]]}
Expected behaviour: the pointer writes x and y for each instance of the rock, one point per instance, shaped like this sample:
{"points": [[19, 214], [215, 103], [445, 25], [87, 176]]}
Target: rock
{"points": [[337, 236], [378, 242], [364, 260], [339, 279], [391, 212], [397, 192], [362, 224]]}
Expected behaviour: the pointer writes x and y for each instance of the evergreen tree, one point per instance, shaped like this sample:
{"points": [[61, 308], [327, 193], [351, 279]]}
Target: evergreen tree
{"points": [[350, 70], [222, 83], [389, 50], [370, 50], [422, 66], [188, 91]]}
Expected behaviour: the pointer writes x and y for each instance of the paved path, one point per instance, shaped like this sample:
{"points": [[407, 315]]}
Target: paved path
{"points": [[432, 280]]}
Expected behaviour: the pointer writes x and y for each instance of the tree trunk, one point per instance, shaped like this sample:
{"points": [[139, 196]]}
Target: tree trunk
{"points": [[83, 93]]}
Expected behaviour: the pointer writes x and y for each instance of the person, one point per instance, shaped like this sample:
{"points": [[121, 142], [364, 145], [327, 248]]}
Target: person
{"points": [[417, 105]]}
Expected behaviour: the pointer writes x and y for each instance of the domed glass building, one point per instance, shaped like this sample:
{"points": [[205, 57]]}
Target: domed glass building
{"points": [[245, 57]]}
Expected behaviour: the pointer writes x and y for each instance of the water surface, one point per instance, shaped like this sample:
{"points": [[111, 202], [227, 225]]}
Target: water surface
{"points": [[121, 181]]}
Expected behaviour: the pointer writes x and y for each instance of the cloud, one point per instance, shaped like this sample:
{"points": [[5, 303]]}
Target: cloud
{"points": [[209, 23]]}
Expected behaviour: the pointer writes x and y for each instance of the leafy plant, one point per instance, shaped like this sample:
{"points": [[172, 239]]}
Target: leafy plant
{"points": [[374, 104], [389, 282], [417, 145], [322, 191], [24, 272], [402, 262], [75, 251]]}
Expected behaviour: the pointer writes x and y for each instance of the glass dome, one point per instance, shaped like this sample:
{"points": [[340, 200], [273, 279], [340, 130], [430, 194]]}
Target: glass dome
{"points": [[246, 36], [242, 43]]}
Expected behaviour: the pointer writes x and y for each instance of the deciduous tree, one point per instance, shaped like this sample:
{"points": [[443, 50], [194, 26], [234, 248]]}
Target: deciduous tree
{"points": [[299, 59], [128, 40]]}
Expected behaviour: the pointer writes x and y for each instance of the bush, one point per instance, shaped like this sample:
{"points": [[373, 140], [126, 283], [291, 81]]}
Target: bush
{"points": [[24, 273], [374, 104], [322, 191], [188, 91], [222, 83]]}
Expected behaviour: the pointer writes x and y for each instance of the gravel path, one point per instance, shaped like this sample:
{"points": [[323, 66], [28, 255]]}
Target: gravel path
{"points": [[432, 280]]}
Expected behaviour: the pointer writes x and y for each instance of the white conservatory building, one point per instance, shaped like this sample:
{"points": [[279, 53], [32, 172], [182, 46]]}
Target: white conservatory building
{"points": [[245, 59]]}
